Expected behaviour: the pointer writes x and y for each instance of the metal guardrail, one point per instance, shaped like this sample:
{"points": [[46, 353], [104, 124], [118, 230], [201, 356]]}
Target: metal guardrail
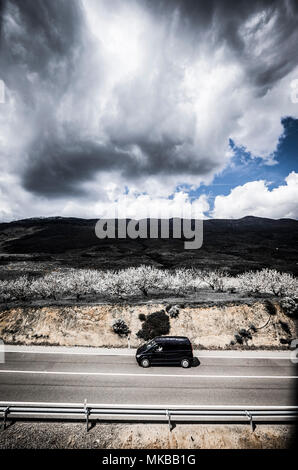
{"points": [[218, 414]]}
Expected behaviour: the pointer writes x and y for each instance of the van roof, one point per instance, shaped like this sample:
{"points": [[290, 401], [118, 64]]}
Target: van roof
{"points": [[172, 337]]}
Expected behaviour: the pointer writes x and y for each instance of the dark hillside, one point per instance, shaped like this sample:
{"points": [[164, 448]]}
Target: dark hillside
{"points": [[238, 245]]}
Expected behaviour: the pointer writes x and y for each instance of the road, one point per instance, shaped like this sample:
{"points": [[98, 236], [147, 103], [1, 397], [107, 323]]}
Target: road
{"points": [[108, 376]]}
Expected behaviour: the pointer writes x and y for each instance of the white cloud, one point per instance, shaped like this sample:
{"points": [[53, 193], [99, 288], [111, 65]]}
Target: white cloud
{"points": [[259, 124], [144, 206], [111, 202], [255, 198], [140, 206]]}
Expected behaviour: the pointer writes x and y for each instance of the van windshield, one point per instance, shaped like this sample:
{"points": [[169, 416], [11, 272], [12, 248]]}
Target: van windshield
{"points": [[150, 344]]}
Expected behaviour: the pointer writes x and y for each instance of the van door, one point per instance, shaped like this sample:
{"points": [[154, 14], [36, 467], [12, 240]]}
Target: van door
{"points": [[172, 353], [158, 354]]}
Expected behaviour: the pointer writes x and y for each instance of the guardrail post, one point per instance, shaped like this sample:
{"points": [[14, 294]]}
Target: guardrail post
{"points": [[87, 413], [249, 416], [5, 414], [168, 414]]}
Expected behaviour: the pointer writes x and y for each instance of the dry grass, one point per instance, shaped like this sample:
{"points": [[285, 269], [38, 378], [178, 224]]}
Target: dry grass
{"points": [[212, 327], [145, 436], [205, 437]]}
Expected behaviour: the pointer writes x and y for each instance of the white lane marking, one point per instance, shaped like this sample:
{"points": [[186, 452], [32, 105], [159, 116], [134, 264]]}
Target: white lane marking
{"points": [[213, 356], [71, 353], [132, 354], [118, 374]]}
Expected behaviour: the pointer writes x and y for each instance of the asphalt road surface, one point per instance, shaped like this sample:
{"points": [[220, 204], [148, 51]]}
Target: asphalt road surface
{"points": [[112, 377]]}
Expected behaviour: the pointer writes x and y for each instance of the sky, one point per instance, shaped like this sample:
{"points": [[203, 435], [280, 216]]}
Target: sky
{"points": [[141, 108]]}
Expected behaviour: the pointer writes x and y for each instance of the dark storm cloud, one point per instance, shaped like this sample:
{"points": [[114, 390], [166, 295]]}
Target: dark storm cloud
{"points": [[42, 52], [66, 166], [226, 15], [169, 157], [224, 18], [52, 27], [2, 5], [41, 37]]}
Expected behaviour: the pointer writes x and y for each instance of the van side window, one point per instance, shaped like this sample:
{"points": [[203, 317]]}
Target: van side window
{"points": [[182, 344], [173, 345]]}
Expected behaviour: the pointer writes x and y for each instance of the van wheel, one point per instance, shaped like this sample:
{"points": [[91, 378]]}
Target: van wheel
{"points": [[145, 363], [185, 363]]}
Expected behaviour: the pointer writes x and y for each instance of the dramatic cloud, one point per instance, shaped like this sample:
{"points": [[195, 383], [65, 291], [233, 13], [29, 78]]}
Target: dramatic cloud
{"points": [[255, 198], [144, 95]]}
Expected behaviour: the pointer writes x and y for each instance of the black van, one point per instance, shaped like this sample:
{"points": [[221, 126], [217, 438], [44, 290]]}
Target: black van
{"points": [[166, 350]]}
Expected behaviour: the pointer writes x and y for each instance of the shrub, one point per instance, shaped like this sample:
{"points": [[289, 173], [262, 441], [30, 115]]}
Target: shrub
{"points": [[289, 306], [120, 328], [142, 317], [156, 324], [285, 327], [270, 307], [245, 334], [239, 339], [174, 311]]}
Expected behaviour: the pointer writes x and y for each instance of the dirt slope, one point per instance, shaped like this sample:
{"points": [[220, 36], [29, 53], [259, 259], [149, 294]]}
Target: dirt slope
{"points": [[207, 327]]}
